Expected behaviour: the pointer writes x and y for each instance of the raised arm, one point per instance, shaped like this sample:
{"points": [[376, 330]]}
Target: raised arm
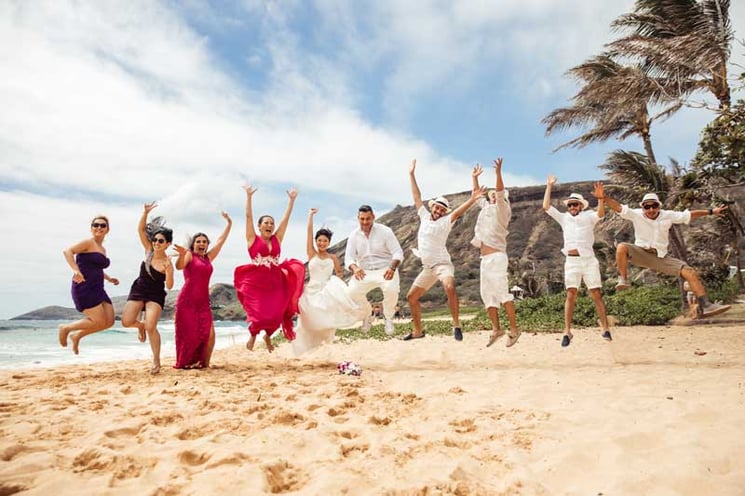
{"points": [[184, 256], [280, 232], [310, 249], [613, 204], [598, 193], [476, 193], [250, 230], [215, 251], [415, 193], [144, 240], [550, 181], [475, 173], [498, 169]]}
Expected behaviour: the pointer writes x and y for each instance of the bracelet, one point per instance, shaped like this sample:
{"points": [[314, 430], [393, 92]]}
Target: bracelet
{"points": [[711, 211]]}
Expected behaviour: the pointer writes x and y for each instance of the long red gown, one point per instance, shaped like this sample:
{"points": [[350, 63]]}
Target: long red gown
{"points": [[269, 290], [193, 314]]}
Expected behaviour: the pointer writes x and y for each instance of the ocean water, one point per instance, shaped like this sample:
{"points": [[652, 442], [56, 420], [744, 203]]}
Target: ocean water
{"points": [[33, 343]]}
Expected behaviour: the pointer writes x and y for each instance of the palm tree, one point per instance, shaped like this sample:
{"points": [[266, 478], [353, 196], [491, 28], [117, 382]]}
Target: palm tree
{"points": [[613, 101], [683, 41]]}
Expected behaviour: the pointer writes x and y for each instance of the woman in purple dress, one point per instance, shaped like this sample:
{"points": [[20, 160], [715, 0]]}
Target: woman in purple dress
{"points": [[148, 291], [195, 331], [88, 259], [268, 289]]}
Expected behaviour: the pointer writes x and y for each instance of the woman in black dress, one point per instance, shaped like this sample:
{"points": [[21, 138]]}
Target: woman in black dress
{"points": [[148, 291]]}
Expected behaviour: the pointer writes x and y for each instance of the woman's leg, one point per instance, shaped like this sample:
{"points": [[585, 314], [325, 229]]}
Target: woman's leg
{"points": [[152, 315], [97, 319]]}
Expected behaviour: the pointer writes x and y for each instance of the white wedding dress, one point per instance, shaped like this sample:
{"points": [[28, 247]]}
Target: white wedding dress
{"points": [[325, 307]]}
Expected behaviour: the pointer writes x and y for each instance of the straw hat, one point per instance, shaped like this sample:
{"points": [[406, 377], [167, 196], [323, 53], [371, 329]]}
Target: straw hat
{"points": [[441, 201], [650, 197], [577, 197]]}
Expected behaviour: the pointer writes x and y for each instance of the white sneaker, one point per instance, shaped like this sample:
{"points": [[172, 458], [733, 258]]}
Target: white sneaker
{"points": [[366, 324], [389, 328]]}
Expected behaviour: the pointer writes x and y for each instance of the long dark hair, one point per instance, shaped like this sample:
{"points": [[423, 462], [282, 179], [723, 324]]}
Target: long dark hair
{"points": [[154, 227]]}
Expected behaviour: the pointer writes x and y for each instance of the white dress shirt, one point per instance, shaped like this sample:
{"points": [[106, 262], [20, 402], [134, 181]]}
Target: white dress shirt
{"points": [[432, 238], [577, 229], [650, 233], [374, 252], [492, 222]]}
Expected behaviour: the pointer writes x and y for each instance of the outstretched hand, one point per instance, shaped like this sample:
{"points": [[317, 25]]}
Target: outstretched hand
{"points": [[598, 191], [250, 190], [150, 206], [312, 212], [181, 250], [226, 216], [412, 167], [551, 180], [292, 193], [498, 164], [477, 170]]}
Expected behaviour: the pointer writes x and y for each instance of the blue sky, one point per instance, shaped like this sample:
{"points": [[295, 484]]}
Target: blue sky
{"points": [[107, 105]]}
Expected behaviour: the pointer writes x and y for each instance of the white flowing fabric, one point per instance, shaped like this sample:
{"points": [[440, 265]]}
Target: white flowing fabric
{"points": [[325, 306]]}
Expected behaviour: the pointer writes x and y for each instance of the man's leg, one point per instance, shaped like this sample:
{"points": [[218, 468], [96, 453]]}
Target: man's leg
{"points": [[415, 307], [448, 284], [569, 304], [705, 307], [622, 264]]}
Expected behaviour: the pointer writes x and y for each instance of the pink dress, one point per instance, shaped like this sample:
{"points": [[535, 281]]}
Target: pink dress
{"points": [[269, 290], [193, 314]]}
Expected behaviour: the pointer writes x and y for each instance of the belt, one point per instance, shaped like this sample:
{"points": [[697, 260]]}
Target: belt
{"points": [[376, 268], [573, 254]]}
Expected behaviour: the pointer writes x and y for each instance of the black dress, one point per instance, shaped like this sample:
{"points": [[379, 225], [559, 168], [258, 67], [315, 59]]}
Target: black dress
{"points": [[149, 287]]}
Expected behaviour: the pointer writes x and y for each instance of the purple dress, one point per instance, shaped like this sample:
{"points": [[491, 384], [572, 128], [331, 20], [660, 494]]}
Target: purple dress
{"points": [[193, 314], [90, 293]]}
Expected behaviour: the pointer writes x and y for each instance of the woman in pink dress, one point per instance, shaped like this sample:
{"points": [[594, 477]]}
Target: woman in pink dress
{"points": [[268, 290], [195, 331]]}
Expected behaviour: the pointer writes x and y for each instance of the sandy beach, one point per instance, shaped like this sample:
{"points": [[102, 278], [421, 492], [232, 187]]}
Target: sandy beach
{"points": [[658, 411]]}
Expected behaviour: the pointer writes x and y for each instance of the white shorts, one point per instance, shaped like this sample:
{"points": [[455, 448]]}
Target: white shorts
{"points": [[578, 269], [495, 286], [430, 275]]}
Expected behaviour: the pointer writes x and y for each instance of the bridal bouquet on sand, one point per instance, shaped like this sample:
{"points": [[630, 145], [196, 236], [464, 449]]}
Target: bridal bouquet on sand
{"points": [[349, 368]]}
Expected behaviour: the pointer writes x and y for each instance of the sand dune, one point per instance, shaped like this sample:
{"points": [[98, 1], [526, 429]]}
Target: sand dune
{"points": [[658, 411]]}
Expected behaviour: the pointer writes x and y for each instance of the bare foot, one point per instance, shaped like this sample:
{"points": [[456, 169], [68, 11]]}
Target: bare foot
{"points": [[62, 335], [268, 342], [141, 332], [75, 338], [155, 367], [250, 343]]}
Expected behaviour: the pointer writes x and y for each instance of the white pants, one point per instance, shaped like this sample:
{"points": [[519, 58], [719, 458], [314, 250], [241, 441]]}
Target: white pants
{"points": [[495, 287], [374, 279], [577, 269]]}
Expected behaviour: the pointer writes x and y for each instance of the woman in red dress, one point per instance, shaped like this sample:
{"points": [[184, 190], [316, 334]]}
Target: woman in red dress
{"points": [[268, 290], [195, 330]]}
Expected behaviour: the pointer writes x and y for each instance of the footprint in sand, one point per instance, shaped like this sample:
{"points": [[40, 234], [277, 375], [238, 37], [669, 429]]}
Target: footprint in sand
{"points": [[282, 477], [193, 459]]}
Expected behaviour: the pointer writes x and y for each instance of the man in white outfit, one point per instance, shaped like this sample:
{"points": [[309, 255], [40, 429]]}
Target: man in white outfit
{"points": [[434, 227], [490, 236], [652, 226], [577, 224], [373, 255]]}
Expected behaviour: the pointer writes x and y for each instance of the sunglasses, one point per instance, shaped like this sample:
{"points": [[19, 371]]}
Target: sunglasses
{"points": [[102, 225], [650, 206], [573, 204], [160, 240]]}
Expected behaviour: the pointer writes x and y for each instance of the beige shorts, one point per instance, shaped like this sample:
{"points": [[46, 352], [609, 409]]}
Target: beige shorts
{"points": [[643, 258], [430, 275], [578, 269]]}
